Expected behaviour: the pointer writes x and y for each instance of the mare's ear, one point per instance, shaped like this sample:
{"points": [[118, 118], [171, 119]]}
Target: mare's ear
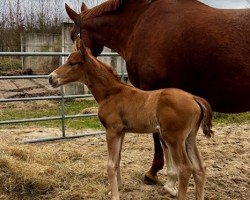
{"points": [[71, 13], [84, 7]]}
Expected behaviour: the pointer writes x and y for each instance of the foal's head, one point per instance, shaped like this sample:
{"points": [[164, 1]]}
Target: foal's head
{"points": [[74, 68]]}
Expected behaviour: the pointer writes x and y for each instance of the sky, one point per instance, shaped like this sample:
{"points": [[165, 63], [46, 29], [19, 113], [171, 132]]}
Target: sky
{"points": [[227, 3]]}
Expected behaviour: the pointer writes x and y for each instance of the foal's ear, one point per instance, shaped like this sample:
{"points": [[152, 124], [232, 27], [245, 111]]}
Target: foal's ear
{"points": [[79, 46], [84, 7], [84, 50], [71, 13]]}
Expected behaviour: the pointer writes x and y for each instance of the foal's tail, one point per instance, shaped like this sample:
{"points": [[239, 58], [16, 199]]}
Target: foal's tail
{"points": [[206, 116]]}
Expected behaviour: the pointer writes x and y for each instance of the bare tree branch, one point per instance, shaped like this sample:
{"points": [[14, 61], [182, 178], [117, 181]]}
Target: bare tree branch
{"points": [[248, 3]]}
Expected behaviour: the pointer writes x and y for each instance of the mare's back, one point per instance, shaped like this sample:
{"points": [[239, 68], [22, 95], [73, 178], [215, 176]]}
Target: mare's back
{"points": [[190, 37]]}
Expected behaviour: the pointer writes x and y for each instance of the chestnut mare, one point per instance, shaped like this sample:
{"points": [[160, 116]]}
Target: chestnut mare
{"points": [[174, 43], [175, 114]]}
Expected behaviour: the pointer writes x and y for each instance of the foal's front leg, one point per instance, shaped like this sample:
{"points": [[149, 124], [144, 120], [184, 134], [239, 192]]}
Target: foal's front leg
{"points": [[114, 141]]}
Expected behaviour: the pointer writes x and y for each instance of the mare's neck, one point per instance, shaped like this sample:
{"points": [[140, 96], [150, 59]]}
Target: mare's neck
{"points": [[101, 82], [114, 30]]}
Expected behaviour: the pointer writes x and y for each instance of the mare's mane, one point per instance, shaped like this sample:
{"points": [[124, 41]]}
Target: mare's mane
{"points": [[105, 7]]}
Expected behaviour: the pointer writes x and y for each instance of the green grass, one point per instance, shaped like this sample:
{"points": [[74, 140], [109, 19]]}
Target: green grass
{"points": [[50, 108], [9, 63], [242, 118], [37, 109]]}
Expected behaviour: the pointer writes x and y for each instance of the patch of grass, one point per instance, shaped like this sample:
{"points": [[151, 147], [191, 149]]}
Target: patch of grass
{"points": [[26, 110], [221, 118], [10, 63], [37, 109]]}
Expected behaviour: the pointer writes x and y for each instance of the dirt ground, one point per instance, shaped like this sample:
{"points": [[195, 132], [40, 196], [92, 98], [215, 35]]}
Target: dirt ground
{"points": [[76, 169], [25, 88]]}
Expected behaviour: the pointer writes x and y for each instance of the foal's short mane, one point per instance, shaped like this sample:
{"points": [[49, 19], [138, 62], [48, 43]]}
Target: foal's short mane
{"points": [[109, 69]]}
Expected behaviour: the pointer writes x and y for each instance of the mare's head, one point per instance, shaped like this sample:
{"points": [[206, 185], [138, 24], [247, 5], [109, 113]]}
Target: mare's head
{"points": [[79, 30], [74, 68]]}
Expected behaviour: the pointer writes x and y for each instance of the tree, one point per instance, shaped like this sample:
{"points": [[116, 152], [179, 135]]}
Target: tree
{"points": [[92, 3], [248, 3], [17, 17]]}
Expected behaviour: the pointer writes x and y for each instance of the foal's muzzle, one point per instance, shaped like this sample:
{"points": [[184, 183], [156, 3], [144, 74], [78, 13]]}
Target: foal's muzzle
{"points": [[53, 81]]}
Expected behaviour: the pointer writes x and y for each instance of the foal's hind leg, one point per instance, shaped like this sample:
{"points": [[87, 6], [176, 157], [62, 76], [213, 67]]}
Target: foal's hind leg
{"points": [[198, 166], [170, 185], [179, 155]]}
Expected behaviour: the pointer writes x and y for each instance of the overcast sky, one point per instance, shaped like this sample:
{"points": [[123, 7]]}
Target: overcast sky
{"points": [[227, 3], [216, 3]]}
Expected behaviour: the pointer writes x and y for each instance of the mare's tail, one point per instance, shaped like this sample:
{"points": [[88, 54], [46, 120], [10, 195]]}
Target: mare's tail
{"points": [[207, 116]]}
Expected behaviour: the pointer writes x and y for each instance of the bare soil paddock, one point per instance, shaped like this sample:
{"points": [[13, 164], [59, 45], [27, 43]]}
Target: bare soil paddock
{"points": [[25, 88], [76, 169]]}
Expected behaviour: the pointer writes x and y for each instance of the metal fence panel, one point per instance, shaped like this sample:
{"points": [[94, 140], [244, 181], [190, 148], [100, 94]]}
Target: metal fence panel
{"points": [[62, 98]]}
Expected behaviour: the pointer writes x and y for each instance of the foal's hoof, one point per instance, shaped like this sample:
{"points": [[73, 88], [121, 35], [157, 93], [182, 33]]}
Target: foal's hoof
{"points": [[149, 180], [171, 190]]}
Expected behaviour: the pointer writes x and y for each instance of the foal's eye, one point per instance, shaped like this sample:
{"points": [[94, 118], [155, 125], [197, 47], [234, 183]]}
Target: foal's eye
{"points": [[71, 64]]}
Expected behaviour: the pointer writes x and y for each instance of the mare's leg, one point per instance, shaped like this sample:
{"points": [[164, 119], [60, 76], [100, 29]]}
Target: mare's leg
{"points": [[158, 162], [114, 141], [198, 166], [181, 161], [150, 177]]}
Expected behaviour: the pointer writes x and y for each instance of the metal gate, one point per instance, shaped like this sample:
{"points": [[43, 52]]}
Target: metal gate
{"points": [[62, 98]]}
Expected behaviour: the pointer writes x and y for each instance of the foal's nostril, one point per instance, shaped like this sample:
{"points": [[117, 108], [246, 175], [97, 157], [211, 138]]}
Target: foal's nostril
{"points": [[51, 79]]}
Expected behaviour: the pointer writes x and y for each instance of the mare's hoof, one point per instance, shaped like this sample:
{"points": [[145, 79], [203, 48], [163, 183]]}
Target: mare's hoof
{"points": [[151, 180]]}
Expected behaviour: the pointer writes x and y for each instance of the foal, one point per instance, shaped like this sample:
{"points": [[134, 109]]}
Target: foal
{"points": [[175, 114]]}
